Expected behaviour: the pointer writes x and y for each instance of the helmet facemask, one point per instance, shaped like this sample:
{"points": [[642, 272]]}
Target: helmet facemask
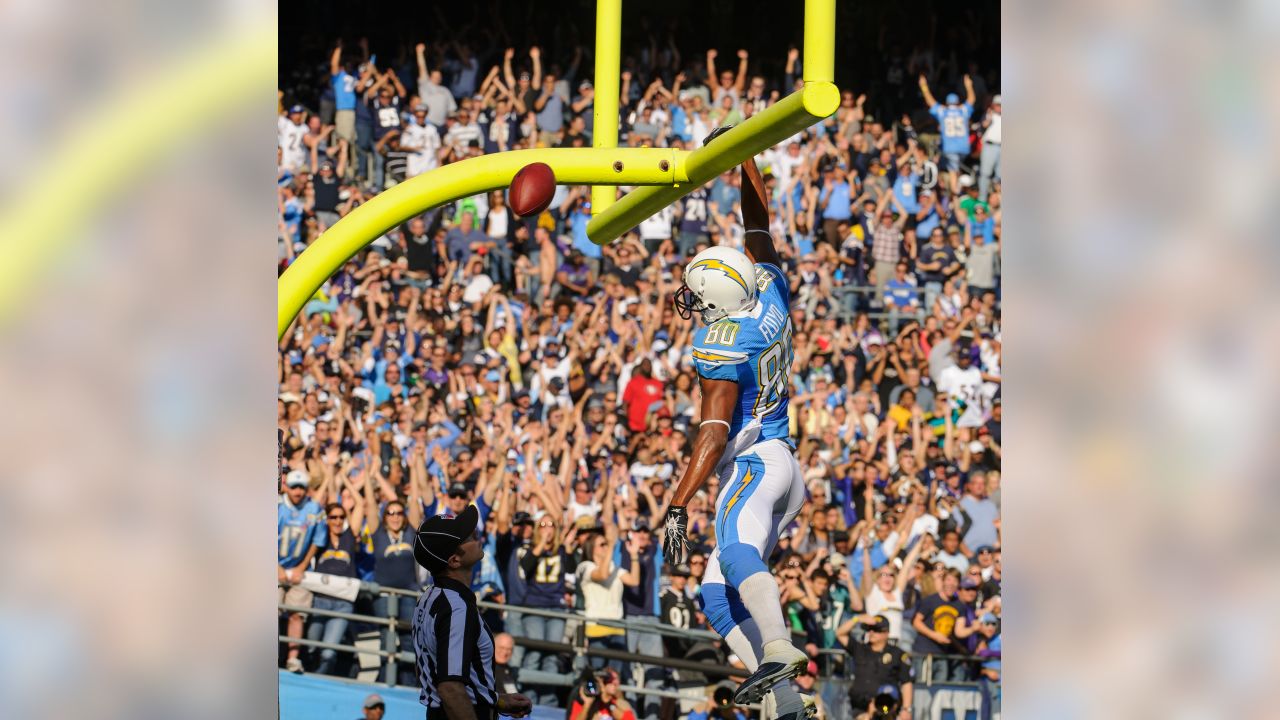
{"points": [[688, 302]]}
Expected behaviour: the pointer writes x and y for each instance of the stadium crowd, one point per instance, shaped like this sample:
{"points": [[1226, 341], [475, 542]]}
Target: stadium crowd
{"points": [[471, 356]]}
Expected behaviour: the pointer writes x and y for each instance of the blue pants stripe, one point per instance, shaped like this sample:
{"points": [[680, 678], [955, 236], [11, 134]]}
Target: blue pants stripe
{"points": [[749, 473]]}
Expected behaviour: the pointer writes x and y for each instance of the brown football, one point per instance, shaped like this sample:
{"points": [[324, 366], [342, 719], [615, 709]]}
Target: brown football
{"points": [[532, 189]]}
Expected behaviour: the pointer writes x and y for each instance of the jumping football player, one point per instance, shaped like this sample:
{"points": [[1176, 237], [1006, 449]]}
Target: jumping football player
{"points": [[743, 355]]}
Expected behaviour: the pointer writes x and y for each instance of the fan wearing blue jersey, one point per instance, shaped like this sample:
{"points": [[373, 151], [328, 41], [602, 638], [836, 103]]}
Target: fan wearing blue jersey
{"points": [[300, 534], [953, 124], [743, 354]]}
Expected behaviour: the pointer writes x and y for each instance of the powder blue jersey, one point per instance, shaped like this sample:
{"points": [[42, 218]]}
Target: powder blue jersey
{"points": [[953, 122], [297, 529], [754, 350]]}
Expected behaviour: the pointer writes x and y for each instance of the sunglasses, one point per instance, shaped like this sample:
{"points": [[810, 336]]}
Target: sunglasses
{"points": [[457, 495], [393, 513], [546, 524], [793, 563], [697, 562], [337, 517]]}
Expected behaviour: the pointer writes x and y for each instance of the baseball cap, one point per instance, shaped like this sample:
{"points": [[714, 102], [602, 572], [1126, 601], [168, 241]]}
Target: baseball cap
{"points": [[996, 100], [880, 624], [440, 536], [968, 584], [493, 376], [952, 98], [374, 701], [420, 107], [981, 549], [458, 489], [297, 109], [522, 518], [681, 570], [886, 695], [989, 619], [297, 478], [584, 84]]}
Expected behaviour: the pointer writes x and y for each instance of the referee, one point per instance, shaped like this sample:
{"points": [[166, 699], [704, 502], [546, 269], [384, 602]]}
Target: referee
{"points": [[454, 649]]}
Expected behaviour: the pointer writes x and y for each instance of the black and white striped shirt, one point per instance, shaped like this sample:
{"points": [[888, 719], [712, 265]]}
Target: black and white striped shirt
{"points": [[451, 642]]}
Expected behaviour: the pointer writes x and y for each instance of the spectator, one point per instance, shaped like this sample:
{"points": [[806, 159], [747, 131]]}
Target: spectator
{"points": [[877, 663], [465, 239], [935, 622], [900, 296], [990, 158], [982, 513], [886, 247], [601, 699], [951, 553], [640, 605], [374, 707], [603, 582], [384, 100], [953, 122], [391, 540], [506, 676], [989, 652], [575, 278], [290, 132], [885, 594], [422, 142], [300, 536], [345, 85], [338, 559], [545, 569], [641, 395], [439, 101]]}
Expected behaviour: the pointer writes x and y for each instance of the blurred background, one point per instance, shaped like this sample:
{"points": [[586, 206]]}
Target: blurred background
{"points": [[136, 362]]}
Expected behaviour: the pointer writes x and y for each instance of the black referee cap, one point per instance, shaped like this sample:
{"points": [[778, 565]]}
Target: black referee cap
{"points": [[439, 537]]}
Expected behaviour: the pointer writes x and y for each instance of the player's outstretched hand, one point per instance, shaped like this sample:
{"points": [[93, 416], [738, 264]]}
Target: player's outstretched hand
{"points": [[677, 532], [717, 133]]}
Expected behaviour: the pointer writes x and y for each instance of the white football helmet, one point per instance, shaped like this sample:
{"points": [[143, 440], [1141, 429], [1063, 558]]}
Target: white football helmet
{"points": [[717, 281]]}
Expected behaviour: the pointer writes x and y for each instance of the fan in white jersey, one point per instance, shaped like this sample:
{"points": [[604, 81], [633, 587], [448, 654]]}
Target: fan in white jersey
{"points": [[421, 141], [290, 130]]}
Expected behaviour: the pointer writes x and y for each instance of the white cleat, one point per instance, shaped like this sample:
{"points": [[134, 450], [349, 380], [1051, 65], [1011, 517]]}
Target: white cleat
{"points": [[783, 664]]}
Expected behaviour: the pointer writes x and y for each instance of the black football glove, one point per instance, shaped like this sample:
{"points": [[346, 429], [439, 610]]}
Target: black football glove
{"points": [[677, 532], [717, 133]]}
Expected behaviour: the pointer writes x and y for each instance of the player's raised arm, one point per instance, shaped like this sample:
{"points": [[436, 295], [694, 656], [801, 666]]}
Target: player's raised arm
{"points": [[755, 216], [718, 398]]}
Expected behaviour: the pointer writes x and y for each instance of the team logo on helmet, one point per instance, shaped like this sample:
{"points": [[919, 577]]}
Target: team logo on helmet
{"points": [[722, 266]]}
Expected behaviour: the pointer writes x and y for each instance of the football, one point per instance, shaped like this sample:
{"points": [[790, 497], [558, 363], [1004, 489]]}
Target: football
{"points": [[532, 189]]}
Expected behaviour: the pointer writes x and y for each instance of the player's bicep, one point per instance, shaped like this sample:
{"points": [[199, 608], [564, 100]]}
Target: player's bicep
{"points": [[719, 396]]}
